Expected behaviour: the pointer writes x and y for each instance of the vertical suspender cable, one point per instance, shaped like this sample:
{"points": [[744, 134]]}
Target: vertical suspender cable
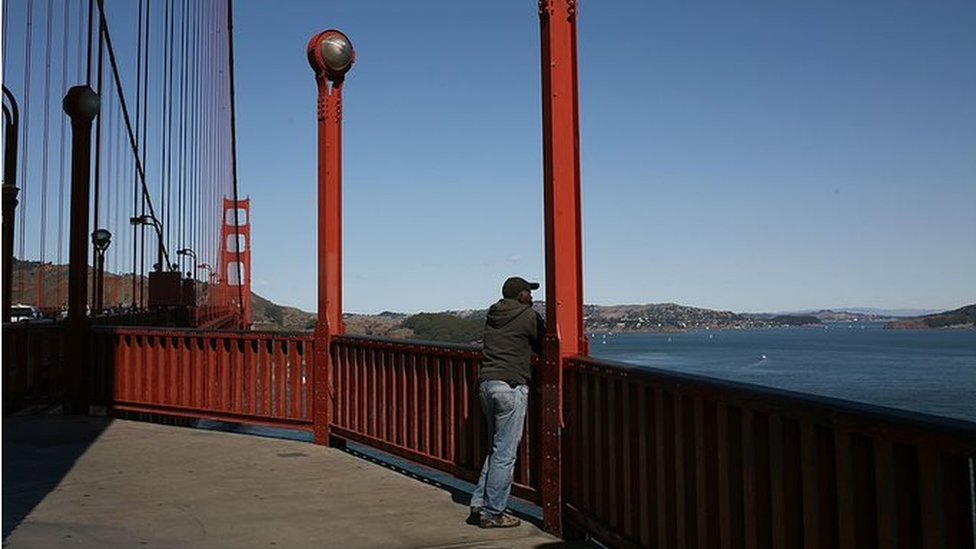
{"points": [[25, 150], [111, 177], [161, 147], [165, 206], [80, 47], [169, 123], [142, 149], [45, 141], [61, 170], [233, 151], [4, 32], [205, 149], [197, 101], [135, 177], [132, 138], [98, 149], [91, 6], [182, 161]]}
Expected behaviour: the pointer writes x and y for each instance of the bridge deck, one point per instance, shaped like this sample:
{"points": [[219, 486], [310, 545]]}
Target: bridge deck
{"points": [[94, 482]]}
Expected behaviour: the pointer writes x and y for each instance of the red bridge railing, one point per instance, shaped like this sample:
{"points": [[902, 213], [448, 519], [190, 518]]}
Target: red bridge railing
{"points": [[654, 458], [260, 378], [650, 458], [420, 401]]}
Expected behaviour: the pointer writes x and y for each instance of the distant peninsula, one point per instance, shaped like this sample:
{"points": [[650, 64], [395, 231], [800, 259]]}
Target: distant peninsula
{"points": [[963, 317]]}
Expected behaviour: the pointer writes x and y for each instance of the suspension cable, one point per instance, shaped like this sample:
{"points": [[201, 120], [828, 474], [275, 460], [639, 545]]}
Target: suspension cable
{"points": [[96, 207], [25, 150], [128, 122], [45, 140]]}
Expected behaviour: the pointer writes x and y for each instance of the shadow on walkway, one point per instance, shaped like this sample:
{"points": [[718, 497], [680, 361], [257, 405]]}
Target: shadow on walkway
{"points": [[38, 451]]}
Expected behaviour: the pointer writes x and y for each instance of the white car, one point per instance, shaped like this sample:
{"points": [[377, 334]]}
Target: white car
{"points": [[23, 313]]}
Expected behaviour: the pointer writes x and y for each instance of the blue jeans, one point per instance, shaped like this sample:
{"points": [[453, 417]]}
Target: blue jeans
{"points": [[504, 408]]}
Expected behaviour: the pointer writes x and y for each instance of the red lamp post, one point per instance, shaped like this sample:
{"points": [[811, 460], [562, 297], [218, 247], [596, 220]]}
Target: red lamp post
{"points": [[331, 55]]}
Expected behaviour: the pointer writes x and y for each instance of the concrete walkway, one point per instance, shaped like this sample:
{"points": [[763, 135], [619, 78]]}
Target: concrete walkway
{"points": [[84, 482]]}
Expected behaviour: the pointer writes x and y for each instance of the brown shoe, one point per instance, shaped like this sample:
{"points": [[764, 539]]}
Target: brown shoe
{"points": [[502, 521]]}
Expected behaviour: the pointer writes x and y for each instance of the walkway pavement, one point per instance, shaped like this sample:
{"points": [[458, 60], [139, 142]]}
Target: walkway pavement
{"points": [[85, 482]]}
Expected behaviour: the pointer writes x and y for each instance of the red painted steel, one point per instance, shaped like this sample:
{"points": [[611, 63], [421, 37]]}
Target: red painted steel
{"points": [[206, 375], [561, 161], [329, 323], [656, 457], [235, 228], [733, 465], [420, 404], [563, 235]]}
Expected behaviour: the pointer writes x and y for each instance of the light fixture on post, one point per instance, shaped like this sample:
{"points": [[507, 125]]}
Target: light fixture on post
{"points": [[331, 55], [191, 254], [165, 289], [189, 283], [101, 239], [209, 270], [208, 299], [149, 219]]}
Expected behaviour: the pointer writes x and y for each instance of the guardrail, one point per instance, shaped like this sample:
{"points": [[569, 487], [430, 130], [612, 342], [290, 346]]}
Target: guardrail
{"points": [[655, 458], [419, 400], [32, 365], [649, 457], [260, 378]]}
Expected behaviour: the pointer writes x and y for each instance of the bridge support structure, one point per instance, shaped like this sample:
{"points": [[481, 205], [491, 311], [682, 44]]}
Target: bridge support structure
{"points": [[565, 336], [235, 258], [331, 55]]}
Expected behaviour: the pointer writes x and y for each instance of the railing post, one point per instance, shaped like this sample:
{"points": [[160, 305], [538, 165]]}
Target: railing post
{"points": [[81, 103], [330, 53], [564, 271]]}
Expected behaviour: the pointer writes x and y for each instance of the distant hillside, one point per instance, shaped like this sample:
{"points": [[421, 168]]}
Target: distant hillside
{"points": [[465, 326], [664, 317], [828, 315], [963, 317], [266, 315], [27, 277]]}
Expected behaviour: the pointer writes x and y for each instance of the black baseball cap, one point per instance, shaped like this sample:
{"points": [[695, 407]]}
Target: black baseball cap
{"points": [[514, 286]]}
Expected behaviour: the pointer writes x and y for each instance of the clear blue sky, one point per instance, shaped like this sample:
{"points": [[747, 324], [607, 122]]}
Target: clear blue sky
{"points": [[752, 156]]}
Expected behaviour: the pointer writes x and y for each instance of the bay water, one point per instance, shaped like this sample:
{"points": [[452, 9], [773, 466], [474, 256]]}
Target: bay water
{"points": [[928, 371]]}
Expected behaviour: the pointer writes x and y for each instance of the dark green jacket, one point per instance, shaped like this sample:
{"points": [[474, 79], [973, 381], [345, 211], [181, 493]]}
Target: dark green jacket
{"points": [[513, 331]]}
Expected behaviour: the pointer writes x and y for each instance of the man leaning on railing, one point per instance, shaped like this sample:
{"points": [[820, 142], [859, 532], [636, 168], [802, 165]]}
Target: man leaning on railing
{"points": [[513, 331]]}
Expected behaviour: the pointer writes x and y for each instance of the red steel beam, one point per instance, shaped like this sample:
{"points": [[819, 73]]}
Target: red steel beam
{"points": [[564, 263]]}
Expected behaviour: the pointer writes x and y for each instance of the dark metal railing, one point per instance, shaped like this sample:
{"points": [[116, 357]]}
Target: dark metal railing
{"points": [[655, 458], [419, 400], [33, 358]]}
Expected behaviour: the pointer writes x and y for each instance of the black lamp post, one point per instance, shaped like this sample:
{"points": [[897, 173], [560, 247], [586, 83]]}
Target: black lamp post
{"points": [[101, 239]]}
